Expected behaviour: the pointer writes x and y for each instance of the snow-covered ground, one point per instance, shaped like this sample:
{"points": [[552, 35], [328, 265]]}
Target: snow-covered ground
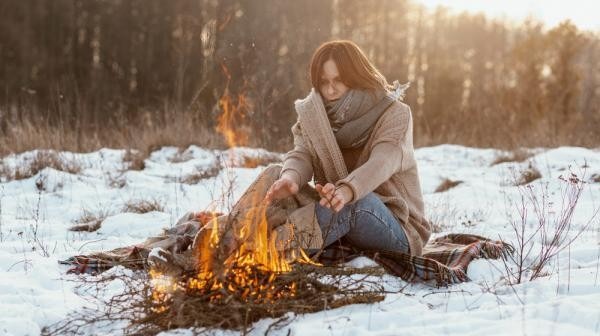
{"points": [[35, 214]]}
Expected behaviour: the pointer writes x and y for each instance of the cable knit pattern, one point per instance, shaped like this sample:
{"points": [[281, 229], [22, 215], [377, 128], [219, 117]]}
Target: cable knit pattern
{"points": [[386, 166]]}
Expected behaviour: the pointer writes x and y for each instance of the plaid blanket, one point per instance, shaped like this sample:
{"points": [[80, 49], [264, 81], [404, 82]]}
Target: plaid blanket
{"points": [[130, 257], [444, 261], [174, 243]]}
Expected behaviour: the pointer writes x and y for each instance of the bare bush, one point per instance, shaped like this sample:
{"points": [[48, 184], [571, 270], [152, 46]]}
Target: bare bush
{"points": [[528, 175], [142, 206], [538, 243], [447, 184], [42, 159], [202, 173], [116, 180], [134, 159], [518, 155], [182, 155], [34, 237], [90, 221]]}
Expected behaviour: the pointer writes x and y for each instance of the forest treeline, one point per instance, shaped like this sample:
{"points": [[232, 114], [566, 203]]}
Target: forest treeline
{"points": [[83, 74]]}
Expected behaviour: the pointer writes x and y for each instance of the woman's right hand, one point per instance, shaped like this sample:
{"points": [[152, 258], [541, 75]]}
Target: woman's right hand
{"points": [[282, 188]]}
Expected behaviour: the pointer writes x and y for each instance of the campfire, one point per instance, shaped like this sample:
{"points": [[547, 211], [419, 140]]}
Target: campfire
{"points": [[243, 273]]}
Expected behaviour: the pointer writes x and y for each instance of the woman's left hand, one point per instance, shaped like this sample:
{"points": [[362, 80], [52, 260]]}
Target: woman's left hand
{"points": [[332, 198]]}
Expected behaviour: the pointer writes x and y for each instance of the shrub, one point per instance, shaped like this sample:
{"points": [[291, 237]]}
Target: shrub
{"points": [[143, 206], [90, 221], [41, 160], [446, 185], [518, 155], [528, 175], [550, 230]]}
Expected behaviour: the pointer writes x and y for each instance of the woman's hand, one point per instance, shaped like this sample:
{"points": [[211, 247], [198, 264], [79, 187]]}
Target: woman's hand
{"points": [[282, 188], [332, 198]]}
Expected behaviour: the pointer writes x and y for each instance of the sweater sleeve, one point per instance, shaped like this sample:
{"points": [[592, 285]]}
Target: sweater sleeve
{"points": [[391, 152], [298, 161]]}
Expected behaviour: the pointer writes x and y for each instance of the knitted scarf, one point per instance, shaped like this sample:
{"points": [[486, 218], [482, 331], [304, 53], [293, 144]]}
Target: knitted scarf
{"points": [[353, 116]]}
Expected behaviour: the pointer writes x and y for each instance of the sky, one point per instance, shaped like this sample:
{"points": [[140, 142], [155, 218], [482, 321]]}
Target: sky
{"points": [[584, 13]]}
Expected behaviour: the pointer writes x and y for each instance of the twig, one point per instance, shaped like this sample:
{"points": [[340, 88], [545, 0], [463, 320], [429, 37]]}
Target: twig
{"points": [[91, 241]]}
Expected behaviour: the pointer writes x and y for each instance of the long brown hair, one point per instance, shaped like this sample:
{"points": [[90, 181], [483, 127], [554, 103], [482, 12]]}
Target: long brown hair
{"points": [[356, 71]]}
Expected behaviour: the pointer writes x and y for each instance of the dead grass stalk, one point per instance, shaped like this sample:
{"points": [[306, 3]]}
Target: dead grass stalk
{"points": [[551, 233], [142, 206]]}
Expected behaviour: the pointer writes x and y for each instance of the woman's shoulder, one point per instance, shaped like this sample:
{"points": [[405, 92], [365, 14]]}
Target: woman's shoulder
{"points": [[398, 111], [394, 124], [399, 106]]}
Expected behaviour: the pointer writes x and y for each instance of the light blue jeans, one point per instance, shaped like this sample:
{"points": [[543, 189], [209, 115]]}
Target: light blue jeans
{"points": [[367, 224]]}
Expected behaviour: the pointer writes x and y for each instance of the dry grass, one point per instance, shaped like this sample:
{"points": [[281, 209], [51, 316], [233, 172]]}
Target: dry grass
{"points": [[446, 185], [442, 215], [134, 159], [90, 221], [116, 180], [201, 174], [42, 159], [182, 155], [172, 127], [146, 133], [142, 206], [5, 172], [517, 155], [528, 175]]}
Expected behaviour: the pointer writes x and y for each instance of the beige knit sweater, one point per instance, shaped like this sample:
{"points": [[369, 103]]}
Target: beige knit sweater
{"points": [[386, 166]]}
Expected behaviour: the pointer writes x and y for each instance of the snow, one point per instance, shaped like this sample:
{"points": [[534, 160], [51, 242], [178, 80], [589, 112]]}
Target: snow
{"points": [[155, 253], [35, 214]]}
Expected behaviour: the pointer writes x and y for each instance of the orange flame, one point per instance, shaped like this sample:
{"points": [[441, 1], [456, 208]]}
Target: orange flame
{"points": [[232, 121], [250, 270]]}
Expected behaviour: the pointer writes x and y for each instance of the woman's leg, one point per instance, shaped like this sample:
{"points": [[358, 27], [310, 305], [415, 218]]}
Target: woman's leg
{"points": [[366, 223]]}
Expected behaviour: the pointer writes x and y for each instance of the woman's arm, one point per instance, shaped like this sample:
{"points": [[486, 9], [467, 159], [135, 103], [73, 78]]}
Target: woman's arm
{"points": [[392, 151], [297, 163]]}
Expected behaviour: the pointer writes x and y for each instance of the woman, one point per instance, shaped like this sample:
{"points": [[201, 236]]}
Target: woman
{"points": [[355, 137]]}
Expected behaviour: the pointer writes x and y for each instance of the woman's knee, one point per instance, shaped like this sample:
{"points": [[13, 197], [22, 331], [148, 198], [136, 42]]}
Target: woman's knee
{"points": [[369, 201], [371, 209]]}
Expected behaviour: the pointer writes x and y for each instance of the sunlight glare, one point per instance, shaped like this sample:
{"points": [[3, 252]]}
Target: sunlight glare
{"points": [[581, 12]]}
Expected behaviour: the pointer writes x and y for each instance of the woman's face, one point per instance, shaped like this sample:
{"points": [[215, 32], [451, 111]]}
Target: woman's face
{"points": [[331, 85]]}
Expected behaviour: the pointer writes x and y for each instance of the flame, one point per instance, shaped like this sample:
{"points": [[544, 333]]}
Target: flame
{"points": [[163, 286], [232, 121], [251, 269], [258, 246]]}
